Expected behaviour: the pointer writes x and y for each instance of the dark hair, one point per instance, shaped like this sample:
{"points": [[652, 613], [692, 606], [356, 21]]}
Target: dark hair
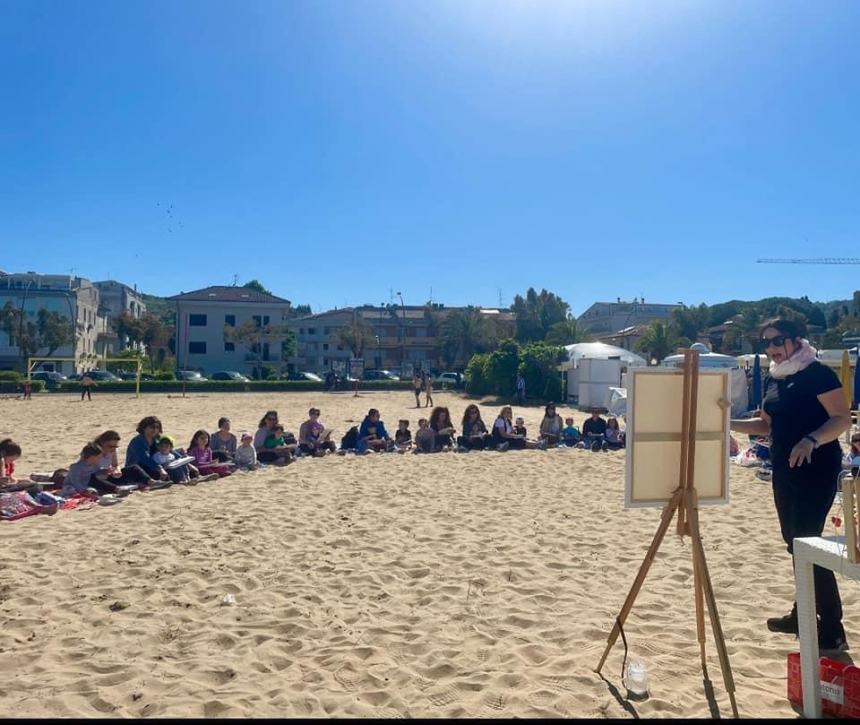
{"points": [[146, 422], [268, 413], [222, 421], [372, 411], [8, 447], [194, 438], [108, 435], [90, 450], [436, 414], [548, 406], [470, 408], [612, 420], [279, 427], [793, 329]]}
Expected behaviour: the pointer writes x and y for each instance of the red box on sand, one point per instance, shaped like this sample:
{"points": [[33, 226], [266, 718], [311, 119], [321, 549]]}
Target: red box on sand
{"points": [[840, 686]]}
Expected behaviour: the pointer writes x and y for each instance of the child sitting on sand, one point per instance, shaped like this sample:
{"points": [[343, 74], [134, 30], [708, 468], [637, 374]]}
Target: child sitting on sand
{"points": [[165, 455], [246, 455], [425, 438], [200, 451], [9, 453], [276, 442], [614, 435], [403, 436], [520, 427], [81, 472], [570, 433]]}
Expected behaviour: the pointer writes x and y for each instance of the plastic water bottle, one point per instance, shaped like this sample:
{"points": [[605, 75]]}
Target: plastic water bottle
{"points": [[637, 679]]}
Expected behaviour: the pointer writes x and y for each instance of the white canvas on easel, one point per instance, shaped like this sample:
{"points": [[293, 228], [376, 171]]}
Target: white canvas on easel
{"points": [[654, 427]]}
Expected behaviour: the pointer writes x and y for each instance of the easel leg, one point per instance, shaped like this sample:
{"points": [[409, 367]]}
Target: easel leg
{"points": [[708, 590], [700, 613], [665, 520]]}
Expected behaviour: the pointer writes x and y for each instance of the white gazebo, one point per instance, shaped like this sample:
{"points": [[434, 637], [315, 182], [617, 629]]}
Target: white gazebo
{"points": [[593, 368], [708, 359]]}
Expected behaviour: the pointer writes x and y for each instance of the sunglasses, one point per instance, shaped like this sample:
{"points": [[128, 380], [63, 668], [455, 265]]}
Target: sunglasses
{"points": [[776, 341]]}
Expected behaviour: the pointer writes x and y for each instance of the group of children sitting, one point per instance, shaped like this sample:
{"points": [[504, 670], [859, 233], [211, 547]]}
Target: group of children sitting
{"points": [[153, 461]]}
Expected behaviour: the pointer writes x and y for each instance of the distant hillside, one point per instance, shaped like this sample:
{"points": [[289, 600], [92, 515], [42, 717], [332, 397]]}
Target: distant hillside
{"points": [[162, 308]]}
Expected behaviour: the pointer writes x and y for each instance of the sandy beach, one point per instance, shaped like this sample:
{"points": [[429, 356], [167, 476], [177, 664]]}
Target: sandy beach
{"points": [[479, 584]]}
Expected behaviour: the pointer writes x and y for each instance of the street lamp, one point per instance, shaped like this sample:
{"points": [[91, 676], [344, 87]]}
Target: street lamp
{"points": [[402, 332]]}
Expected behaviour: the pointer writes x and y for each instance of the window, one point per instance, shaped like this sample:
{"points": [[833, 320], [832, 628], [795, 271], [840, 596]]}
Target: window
{"points": [[312, 331], [197, 348], [325, 362], [261, 320], [230, 320], [197, 320], [325, 346], [229, 346], [326, 330], [301, 330]]}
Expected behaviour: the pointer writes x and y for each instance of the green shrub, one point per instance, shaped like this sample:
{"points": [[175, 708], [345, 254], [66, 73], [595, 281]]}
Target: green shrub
{"points": [[538, 364], [10, 375], [476, 382], [227, 386], [15, 386], [164, 375], [500, 370], [552, 390]]}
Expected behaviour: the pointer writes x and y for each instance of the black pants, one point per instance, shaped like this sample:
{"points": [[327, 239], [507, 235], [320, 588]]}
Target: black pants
{"points": [[442, 440], [418, 398], [221, 456], [267, 456], [802, 504], [324, 446], [86, 391], [475, 444]]}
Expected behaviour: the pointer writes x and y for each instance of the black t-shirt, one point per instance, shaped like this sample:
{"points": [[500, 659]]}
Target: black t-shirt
{"points": [[594, 427], [402, 436], [795, 411]]}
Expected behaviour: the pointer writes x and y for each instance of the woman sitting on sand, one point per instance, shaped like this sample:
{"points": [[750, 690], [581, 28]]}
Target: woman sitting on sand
{"points": [[110, 473], [475, 436], [372, 435], [503, 432], [140, 448], [267, 425], [313, 436], [551, 426], [440, 424], [222, 442]]}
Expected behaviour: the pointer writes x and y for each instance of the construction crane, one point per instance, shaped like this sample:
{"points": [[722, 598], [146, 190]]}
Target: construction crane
{"points": [[816, 260]]}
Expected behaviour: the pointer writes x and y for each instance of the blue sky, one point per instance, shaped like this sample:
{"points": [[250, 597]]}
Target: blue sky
{"points": [[342, 150]]}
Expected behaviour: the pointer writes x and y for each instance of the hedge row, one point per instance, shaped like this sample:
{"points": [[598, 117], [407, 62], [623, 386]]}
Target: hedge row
{"points": [[227, 386], [11, 386]]}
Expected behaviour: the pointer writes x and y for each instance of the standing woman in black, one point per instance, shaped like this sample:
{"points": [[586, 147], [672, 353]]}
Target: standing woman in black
{"points": [[804, 411]]}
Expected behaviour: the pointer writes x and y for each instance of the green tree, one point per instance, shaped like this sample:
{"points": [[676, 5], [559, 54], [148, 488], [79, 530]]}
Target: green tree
{"points": [[658, 341], [257, 337], [536, 313], [564, 333], [500, 370], [21, 333], [157, 338], [257, 286], [538, 364], [54, 331], [690, 322], [356, 336], [463, 333]]}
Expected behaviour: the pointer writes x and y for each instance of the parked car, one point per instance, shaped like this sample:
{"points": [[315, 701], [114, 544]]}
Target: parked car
{"points": [[133, 376], [101, 376], [451, 379], [313, 377], [379, 375], [75, 376], [191, 376], [49, 376], [230, 375]]}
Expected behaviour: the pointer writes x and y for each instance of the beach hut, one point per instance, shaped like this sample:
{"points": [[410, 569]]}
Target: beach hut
{"points": [[595, 367], [712, 360]]}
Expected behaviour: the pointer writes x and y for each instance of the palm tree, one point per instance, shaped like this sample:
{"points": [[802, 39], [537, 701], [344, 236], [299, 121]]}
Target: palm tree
{"points": [[464, 331], [658, 341], [356, 336], [564, 333]]}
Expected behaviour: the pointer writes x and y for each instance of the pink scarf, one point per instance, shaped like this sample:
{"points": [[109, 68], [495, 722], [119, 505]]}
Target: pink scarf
{"points": [[800, 360]]}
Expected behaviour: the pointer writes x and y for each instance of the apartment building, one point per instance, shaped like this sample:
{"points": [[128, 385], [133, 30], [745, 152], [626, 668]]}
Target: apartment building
{"points": [[114, 299], [72, 297], [404, 337], [604, 318], [203, 317]]}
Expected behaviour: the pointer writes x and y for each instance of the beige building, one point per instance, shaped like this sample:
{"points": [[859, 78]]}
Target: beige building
{"points": [[404, 338], [605, 318], [202, 317], [72, 297]]}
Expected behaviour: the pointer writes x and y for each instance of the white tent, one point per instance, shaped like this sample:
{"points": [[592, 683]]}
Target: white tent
{"points": [[595, 367], [602, 351], [708, 359]]}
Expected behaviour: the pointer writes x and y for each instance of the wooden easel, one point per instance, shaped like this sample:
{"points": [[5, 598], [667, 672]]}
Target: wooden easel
{"points": [[684, 501]]}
